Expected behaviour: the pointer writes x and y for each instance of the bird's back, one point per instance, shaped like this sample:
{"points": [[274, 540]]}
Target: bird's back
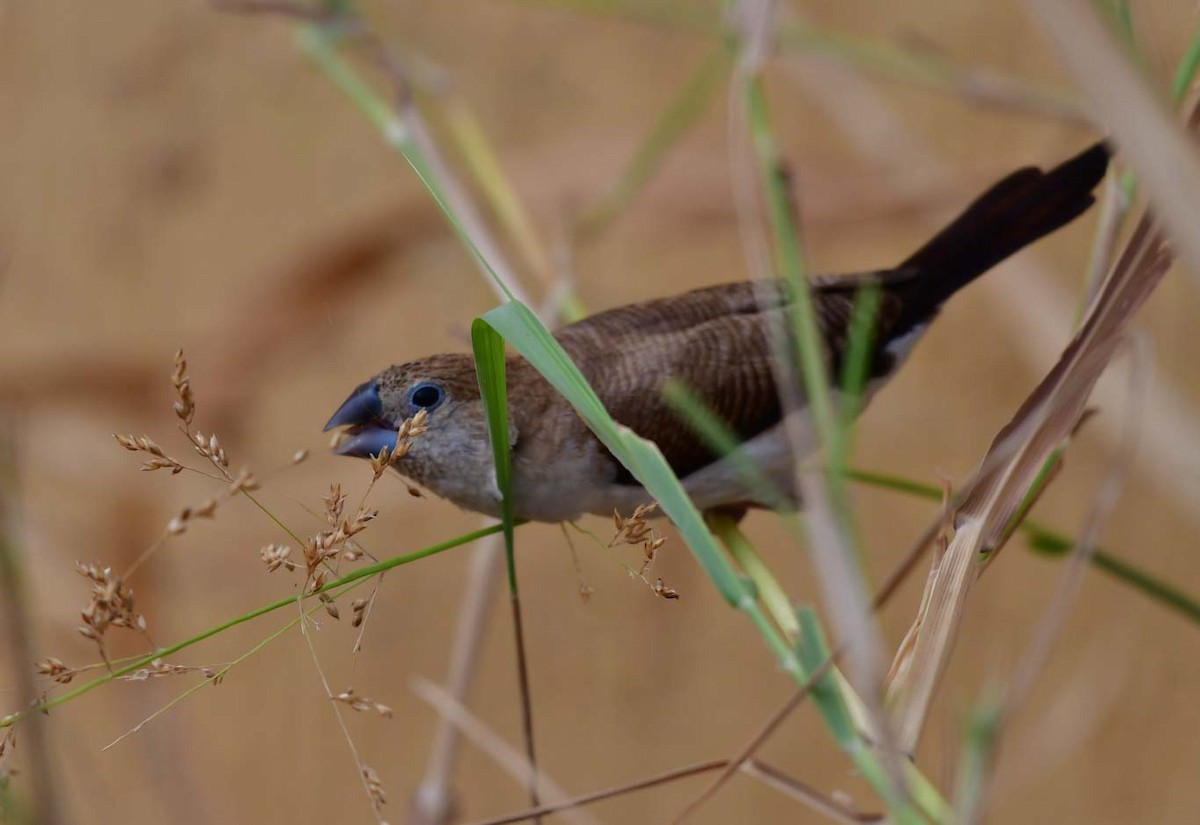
{"points": [[719, 341]]}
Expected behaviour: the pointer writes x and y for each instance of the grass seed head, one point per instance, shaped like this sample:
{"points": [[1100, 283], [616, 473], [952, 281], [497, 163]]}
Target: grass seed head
{"points": [[56, 670]]}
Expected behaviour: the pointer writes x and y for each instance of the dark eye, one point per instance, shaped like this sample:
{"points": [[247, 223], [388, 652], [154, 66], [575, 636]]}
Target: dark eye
{"points": [[426, 396]]}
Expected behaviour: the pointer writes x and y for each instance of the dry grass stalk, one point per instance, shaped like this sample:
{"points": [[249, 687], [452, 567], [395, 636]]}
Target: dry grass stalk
{"points": [[371, 782], [834, 806], [1018, 453], [513, 762], [1124, 102], [158, 668], [432, 802]]}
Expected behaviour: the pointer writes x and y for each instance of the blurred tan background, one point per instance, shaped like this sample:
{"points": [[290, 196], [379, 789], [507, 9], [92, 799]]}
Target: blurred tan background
{"points": [[177, 177]]}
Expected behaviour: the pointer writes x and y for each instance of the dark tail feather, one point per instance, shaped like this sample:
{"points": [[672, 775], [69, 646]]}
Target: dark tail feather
{"points": [[1020, 209]]}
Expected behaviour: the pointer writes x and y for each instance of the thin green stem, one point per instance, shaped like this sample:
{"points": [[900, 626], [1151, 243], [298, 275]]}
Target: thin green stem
{"points": [[860, 343], [722, 441], [678, 118], [220, 674], [1047, 541], [1185, 73], [361, 573], [790, 260], [884, 59], [292, 533]]}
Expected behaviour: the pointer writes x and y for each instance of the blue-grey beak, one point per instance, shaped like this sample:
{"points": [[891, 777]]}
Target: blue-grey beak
{"points": [[362, 407], [362, 412]]}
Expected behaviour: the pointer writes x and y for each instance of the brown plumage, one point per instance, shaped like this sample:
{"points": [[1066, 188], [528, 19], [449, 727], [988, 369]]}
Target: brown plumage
{"points": [[716, 340]]}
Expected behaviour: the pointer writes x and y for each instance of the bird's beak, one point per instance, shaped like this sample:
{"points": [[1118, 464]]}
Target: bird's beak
{"points": [[362, 414]]}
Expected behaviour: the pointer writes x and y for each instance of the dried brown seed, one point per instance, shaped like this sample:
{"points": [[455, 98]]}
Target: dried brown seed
{"points": [[665, 591]]}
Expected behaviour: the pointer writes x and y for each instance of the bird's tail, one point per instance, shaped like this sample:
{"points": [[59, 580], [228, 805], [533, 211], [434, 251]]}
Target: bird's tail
{"points": [[1020, 209]]}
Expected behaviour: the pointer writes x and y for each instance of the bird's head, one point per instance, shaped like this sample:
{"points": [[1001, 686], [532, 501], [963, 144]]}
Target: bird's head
{"points": [[453, 450]]}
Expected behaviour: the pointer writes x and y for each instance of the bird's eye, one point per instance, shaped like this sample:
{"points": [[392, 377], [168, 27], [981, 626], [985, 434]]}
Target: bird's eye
{"points": [[426, 396]]}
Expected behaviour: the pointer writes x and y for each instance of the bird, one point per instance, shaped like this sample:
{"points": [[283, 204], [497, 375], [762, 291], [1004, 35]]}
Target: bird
{"points": [[718, 341]]}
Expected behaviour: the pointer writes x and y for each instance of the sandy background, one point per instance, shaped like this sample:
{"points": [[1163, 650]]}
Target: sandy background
{"points": [[175, 177]]}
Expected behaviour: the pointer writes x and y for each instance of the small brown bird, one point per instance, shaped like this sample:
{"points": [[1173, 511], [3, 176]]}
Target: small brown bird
{"points": [[717, 341]]}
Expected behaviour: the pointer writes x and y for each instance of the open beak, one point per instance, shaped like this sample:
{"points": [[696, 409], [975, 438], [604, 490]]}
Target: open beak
{"points": [[366, 432]]}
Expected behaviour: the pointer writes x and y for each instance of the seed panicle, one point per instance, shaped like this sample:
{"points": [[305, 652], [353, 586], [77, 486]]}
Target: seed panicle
{"points": [[636, 530], [112, 605]]}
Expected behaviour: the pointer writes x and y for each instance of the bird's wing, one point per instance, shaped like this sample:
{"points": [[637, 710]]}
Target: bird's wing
{"points": [[718, 341]]}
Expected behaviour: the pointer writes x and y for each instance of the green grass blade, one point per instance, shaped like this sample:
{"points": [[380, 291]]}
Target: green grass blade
{"points": [[489, 370], [856, 366], [1186, 71], [813, 652]]}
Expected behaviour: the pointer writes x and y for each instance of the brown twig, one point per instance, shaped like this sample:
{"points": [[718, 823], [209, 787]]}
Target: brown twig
{"points": [[790, 786], [763, 772], [608, 793], [732, 766], [505, 755]]}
